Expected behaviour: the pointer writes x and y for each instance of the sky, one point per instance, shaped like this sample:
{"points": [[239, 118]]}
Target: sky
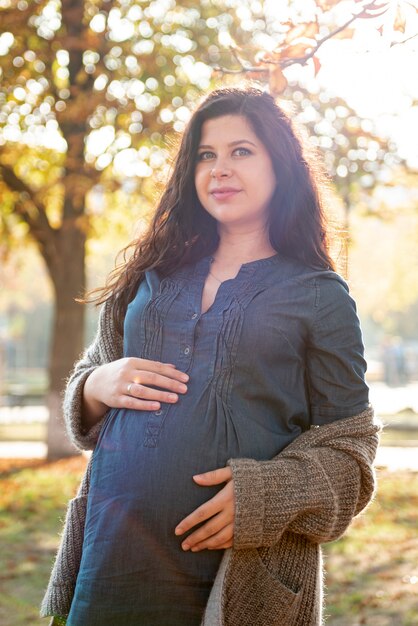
{"points": [[380, 84], [378, 80]]}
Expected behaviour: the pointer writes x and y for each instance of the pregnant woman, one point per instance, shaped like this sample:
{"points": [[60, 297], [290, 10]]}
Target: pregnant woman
{"points": [[223, 395]]}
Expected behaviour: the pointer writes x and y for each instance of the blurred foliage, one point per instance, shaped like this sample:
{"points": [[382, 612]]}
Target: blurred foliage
{"points": [[384, 257], [94, 94], [371, 572], [90, 90], [294, 32]]}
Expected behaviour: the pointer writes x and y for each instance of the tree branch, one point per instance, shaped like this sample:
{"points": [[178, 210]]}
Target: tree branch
{"points": [[396, 43], [39, 224], [286, 62], [319, 43]]}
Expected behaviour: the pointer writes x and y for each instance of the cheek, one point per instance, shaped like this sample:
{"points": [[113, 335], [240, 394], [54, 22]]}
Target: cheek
{"points": [[201, 183], [269, 182]]}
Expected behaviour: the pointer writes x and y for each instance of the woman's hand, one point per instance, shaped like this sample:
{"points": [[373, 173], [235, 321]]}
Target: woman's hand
{"points": [[218, 532], [131, 383]]}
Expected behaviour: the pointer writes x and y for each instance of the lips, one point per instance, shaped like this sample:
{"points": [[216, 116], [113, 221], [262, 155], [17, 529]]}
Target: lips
{"points": [[222, 193]]}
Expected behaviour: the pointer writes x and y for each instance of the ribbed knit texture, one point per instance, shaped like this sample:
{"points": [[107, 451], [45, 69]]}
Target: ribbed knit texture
{"points": [[106, 347], [285, 508], [308, 494], [60, 591]]}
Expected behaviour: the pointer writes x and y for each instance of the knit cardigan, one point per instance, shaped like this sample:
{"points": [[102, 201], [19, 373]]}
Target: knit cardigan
{"points": [[284, 509]]}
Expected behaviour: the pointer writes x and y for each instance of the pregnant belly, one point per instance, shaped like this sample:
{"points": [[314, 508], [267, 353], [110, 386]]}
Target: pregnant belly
{"points": [[139, 494]]}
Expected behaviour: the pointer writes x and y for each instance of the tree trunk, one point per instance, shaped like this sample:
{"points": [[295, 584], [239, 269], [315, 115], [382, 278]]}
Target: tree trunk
{"points": [[68, 333]]}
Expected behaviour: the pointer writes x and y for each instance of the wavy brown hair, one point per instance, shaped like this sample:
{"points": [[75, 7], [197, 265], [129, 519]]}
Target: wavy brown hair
{"points": [[181, 231]]}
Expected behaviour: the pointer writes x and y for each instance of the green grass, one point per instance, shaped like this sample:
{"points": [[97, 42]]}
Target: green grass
{"points": [[32, 505], [372, 573]]}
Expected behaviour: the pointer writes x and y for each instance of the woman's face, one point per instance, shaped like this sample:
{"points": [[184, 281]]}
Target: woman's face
{"points": [[234, 175]]}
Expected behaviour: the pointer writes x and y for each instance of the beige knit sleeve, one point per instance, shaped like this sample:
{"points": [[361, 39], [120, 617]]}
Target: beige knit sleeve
{"points": [[107, 346], [314, 487]]}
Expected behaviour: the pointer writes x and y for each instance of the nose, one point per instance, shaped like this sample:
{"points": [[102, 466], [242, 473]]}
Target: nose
{"points": [[220, 171]]}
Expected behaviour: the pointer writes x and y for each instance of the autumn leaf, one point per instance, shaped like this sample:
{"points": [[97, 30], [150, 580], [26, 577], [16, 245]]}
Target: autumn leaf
{"points": [[277, 80], [298, 50], [317, 64], [259, 75], [307, 30], [326, 4], [263, 57], [311, 30], [400, 20]]}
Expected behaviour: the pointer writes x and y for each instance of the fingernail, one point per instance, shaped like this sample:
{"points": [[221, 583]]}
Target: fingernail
{"points": [[183, 388], [179, 530], [155, 405], [184, 377], [185, 546], [172, 397]]}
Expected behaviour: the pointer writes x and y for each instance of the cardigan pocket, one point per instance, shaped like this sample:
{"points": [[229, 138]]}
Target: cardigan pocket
{"points": [[60, 591], [254, 596]]}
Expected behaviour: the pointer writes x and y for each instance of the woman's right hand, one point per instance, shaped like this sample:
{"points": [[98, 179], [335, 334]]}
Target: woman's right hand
{"points": [[131, 383]]}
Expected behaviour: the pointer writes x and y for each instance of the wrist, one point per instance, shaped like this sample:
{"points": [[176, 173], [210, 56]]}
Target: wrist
{"points": [[92, 408]]}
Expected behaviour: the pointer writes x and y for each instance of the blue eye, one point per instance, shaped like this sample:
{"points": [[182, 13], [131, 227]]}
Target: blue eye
{"points": [[205, 156], [242, 151]]}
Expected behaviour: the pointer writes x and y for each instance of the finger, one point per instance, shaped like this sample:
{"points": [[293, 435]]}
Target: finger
{"points": [[142, 392], [135, 404], [151, 379], [228, 544], [223, 500], [199, 515], [164, 369], [212, 527], [214, 477], [215, 542]]}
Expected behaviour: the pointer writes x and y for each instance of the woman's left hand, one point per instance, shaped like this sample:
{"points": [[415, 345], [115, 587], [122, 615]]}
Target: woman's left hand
{"points": [[218, 532]]}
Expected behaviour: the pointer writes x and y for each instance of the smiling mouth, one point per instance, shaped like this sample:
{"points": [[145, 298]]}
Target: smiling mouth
{"points": [[223, 194]]}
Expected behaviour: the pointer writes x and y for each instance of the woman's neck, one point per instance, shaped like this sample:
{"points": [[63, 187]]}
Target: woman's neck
{"points": [[239, 249]]}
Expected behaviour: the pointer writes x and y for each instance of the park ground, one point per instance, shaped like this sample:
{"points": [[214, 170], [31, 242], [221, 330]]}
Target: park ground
{"points": [[371, 573]]}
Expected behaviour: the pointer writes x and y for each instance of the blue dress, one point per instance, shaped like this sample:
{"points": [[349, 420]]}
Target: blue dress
{"points": [[279, 349]]}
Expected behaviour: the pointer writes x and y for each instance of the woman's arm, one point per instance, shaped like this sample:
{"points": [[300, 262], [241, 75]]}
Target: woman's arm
{"points": [[104, 379], [106, 347], [325, 477], [314, 487]]}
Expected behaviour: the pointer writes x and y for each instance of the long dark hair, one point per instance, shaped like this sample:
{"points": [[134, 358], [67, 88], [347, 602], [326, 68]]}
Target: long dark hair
{"points": [[182, 231]]}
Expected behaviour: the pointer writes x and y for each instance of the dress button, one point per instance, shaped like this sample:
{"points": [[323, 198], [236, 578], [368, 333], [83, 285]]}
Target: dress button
{"points": [[194, 316], [187, 350]]}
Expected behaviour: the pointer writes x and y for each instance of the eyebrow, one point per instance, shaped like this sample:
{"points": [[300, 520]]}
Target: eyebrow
{"points": [[233, 143]]}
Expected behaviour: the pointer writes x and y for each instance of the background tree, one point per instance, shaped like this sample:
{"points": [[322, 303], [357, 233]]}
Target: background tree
{"points": [[90, 91], [87, 87], [356, 157]]}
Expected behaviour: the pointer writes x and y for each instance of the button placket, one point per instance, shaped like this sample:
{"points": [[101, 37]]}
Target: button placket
{"points": [[154, 426]]}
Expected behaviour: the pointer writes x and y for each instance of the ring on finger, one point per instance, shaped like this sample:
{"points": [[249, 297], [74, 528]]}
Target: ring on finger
{"points": [[128, 389]]}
